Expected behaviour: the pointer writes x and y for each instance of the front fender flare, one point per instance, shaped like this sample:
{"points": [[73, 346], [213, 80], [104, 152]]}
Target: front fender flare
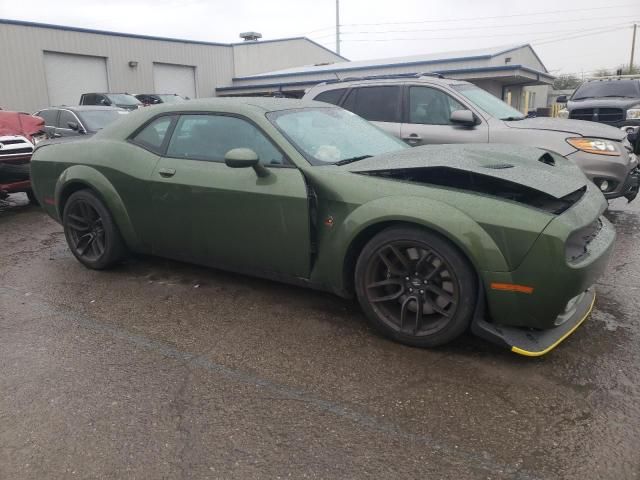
{"points": [[453, 224], [96, 181]]}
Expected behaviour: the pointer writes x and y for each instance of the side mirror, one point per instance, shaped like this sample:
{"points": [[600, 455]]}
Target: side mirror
{"points": [[244, 158], [73, 126], [465, 118], [561, 99]]}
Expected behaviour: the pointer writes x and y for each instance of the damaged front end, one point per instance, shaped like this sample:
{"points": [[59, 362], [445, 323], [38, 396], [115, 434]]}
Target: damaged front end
{"points": [[19, 132], [547, 291]]}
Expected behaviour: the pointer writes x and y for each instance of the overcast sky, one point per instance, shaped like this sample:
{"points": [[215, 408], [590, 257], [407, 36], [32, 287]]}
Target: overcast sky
{"points": [[373, 28]]}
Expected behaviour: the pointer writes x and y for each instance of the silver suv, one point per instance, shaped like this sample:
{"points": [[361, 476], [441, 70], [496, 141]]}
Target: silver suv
{"points": [[430, 109]]}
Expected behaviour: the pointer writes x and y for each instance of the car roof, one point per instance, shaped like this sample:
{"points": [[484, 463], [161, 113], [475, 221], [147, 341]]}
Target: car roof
{"points": [[266, 104], [387, 79], [80, 108]]}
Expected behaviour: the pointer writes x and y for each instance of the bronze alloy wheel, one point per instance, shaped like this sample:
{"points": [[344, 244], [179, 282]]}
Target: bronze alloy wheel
{"points": [[415, 286], [91, 233], [86, 230]]}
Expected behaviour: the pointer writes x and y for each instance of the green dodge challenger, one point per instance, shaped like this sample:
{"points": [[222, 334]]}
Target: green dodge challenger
{"points": [[507, 241]]}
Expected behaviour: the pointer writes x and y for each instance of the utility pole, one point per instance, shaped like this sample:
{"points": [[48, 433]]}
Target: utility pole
{"points": [[338, 28], [633, 48]]}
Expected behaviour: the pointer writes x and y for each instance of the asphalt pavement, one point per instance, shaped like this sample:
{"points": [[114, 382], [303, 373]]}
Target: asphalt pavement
{"points": [[159, 369]]}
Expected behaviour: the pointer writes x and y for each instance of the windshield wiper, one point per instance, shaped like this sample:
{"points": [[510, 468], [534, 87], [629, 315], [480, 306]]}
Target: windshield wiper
{"points": [[352, 159], [512, 119]]}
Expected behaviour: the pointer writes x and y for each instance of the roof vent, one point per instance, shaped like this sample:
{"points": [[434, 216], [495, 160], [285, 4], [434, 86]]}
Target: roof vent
{"points": [[250, 36]]}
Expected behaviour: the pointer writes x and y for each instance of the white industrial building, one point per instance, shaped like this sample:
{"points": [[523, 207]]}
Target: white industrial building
{"points": [[515, 74], [48, 65]]}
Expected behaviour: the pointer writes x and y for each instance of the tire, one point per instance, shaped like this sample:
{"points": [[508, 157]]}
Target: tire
{"points": [[91, 233], [32, 198], [415, 287]]}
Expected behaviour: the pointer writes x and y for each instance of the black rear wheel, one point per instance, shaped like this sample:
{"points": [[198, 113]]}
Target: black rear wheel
{"points": [[91, 233], [415, 287]]}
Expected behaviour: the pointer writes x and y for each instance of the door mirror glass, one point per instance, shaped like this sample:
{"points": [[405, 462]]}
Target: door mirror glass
{"points": [[463, 117], [561, 99], [241, 158]]}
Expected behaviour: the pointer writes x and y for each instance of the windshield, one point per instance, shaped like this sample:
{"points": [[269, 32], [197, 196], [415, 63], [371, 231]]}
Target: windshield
{"points": [[95, 120], [330, 135], [123, 99], [488, 102], [171, 98], [609, 88]]}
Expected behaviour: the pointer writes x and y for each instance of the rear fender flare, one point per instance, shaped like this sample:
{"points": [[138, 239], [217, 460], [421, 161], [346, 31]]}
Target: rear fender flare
{"points": [[96, 181]]}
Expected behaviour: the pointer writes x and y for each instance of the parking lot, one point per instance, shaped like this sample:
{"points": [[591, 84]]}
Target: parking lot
{"points": [[159, 369]]}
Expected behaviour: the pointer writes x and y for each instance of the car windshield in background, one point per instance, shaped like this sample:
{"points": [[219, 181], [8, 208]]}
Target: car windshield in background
{"points": [[122, 99], [609, 88], [331, 135], [488, 102], [171, 98], [95, 120]]}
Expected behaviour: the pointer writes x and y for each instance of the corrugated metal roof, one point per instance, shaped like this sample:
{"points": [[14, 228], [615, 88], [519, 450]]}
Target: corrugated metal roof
{"points": [[430, 58]]}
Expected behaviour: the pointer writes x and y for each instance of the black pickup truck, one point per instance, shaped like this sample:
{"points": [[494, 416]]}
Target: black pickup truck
{"points": [[611, 100]]}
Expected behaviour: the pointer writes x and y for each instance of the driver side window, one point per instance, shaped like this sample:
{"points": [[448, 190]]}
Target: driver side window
{"points": [[210, 137], [430, 106]]}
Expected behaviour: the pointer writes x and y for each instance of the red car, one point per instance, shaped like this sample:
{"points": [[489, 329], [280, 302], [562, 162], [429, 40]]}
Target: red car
{"points": [[19, 132]]}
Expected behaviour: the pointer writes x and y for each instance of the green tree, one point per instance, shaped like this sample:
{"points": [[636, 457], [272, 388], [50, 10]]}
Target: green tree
{"points": [[565, 82]]}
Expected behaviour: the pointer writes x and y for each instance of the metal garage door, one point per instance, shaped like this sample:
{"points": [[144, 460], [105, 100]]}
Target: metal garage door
{"points": [[68, 76], [169, 78]]}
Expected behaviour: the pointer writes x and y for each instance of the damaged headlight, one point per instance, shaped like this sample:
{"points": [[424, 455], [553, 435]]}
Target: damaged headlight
{"points": [[38, 137], [599, 146]]}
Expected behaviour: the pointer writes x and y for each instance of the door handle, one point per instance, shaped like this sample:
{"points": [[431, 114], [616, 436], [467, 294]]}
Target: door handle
{"points": [[167, 172], [56, 135], [413, 138]]}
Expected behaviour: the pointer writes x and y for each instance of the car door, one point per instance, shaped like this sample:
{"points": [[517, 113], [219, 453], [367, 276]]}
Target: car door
{"points": [[379, 104], [426, 119], [63, 129], [50, 117], [208, 212]]}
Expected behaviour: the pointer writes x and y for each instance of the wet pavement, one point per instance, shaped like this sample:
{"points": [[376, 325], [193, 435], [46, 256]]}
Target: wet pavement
{"points": [[159, 369]]}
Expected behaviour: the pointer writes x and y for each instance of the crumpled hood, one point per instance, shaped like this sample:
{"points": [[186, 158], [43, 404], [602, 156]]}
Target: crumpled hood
{"points": [[17, 123], [574, 127], [513, 163]]}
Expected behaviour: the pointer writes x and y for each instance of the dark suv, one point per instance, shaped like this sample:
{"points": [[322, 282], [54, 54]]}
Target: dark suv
{"points": [[156, 98], [121, 100], [614, 101], [82, 120]]}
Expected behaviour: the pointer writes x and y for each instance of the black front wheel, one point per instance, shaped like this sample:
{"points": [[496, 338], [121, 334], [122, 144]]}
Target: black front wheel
{"points": [[415, 287], [91, 233]]}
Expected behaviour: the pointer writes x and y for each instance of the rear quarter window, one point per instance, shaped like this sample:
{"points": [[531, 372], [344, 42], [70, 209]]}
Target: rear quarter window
{"points": [[331, 96]]}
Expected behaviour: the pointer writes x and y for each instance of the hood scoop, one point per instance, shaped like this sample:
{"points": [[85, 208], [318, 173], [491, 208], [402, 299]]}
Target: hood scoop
{"points": [[498, 166]]}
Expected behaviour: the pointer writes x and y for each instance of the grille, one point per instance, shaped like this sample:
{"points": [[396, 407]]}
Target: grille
{"points": [[15, 151], [603, 115]]}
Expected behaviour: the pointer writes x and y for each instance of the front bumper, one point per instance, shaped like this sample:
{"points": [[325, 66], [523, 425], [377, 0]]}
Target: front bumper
{"points": [[535, 343], [620, 172], [566, 260]]}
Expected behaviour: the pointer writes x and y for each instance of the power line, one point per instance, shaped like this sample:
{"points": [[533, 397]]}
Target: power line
{"points": [[491, 17], [484, 27], [584, 34], [457, 37]]}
